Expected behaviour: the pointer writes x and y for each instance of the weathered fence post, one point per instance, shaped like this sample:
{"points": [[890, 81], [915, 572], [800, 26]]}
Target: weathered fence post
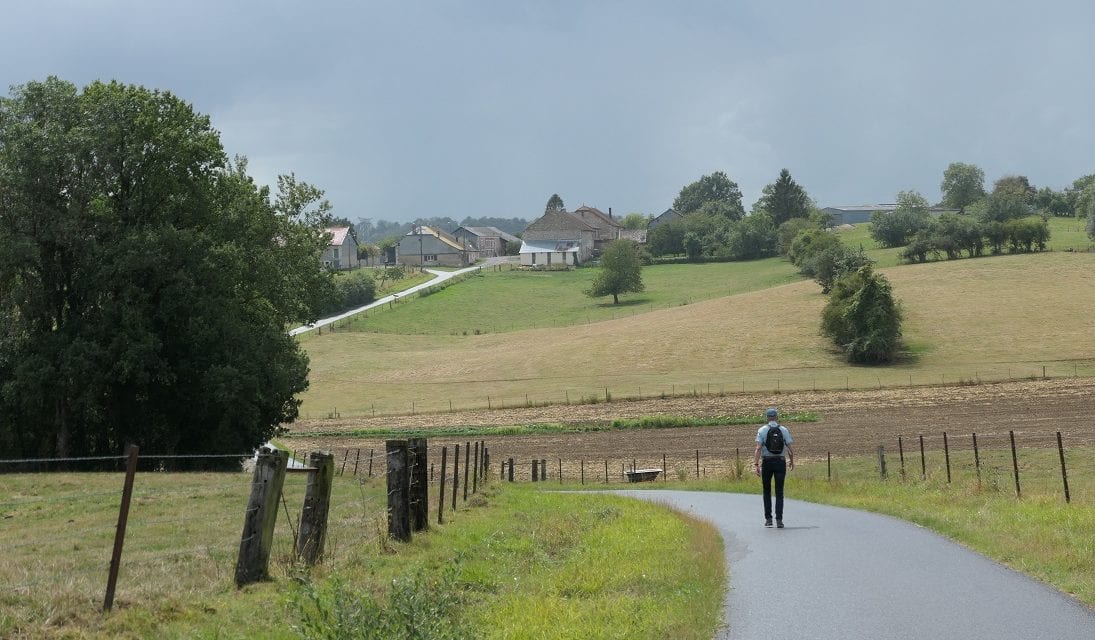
{"points": [[1064, 472], [947, 455], [901, 454], [345, 457], [467, 468], [357, 460], [560, 471], [258, 523], [606, 471], [370, 463], [119, 532], [441, 494], [317, 504], [976, 460], [829, 466], [923, 463], [455, 474], [399, 489], [665, 472], [419, 486], [535, 470], [543, 470], [475, 475], [1015, 464], [697, 464], [509, 470], [882, 461], [583, 465]]}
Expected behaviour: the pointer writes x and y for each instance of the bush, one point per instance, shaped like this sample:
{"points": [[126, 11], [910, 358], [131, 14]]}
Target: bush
{"points": [[863, 318], [808, 244]]}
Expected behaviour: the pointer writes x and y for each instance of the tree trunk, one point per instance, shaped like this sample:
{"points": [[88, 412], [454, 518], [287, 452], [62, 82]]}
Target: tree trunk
{"points": [[615, 298]]}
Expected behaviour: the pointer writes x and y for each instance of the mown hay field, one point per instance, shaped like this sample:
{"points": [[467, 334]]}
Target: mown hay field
{"points": [[994, 318]]}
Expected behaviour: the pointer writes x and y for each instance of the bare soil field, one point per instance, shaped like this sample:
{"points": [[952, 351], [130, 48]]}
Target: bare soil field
{"points": [[1034, 410]]}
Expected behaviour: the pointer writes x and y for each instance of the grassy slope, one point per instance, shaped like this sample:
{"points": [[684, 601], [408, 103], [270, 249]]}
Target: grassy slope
{"points": [[988, 318]]}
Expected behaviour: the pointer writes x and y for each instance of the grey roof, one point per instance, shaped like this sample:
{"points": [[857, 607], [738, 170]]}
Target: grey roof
{"points": [[865, 207], [559, 221]]}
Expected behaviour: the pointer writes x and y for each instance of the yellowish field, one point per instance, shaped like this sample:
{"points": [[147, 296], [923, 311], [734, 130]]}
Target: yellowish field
{"points": [[988, 319]]}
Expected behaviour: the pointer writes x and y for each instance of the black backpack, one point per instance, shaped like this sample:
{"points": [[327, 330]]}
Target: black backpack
{"points": [[773, 440]]}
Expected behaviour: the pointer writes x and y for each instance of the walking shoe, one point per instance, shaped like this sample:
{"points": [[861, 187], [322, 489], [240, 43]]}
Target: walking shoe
{"points": [[779, 524], [767, 522]]}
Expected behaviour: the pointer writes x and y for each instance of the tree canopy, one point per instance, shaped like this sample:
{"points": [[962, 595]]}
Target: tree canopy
{"points": [[894, 229], [963, 184], [784, 199], [621, 271], [146, 282], [554, 204], [714, 194]]}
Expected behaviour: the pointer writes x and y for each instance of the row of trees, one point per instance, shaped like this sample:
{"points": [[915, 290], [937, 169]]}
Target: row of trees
{"points": [[713, 223], [146, 281], [963, 186]]}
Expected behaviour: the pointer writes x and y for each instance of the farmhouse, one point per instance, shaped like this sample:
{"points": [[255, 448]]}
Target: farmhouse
{"points": [[669, 215], [557, 238], [490, 242], [605, 227], [341, 251], [424, 246]]}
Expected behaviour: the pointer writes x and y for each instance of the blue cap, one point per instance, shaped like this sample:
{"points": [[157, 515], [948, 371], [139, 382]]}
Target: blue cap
{"points": [[771, 413]]}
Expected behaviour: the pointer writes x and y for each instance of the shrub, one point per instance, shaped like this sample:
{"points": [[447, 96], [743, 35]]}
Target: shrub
{"points": [[863, 318]]}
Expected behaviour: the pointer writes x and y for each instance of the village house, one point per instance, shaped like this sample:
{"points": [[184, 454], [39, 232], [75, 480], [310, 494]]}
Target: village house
{"points": [[489, 241], [341, 251], [605, 227], [557, 238], [426, 246]]}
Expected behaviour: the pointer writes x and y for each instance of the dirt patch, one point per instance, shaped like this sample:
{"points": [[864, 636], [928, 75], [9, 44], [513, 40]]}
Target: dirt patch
{"points": [[1034, 410]]}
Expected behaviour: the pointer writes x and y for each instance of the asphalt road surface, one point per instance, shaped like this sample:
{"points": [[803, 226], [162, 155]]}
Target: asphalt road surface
{"points": [[840, 573]]}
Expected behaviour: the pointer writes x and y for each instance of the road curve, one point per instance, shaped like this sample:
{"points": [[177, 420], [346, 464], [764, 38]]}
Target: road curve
{"points": [[840, 573]]}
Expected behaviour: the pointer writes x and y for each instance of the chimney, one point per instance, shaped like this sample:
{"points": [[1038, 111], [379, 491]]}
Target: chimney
{"points": [[610, 212]]}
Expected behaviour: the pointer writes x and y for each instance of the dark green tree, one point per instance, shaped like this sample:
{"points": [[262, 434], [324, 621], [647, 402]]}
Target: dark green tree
{"points": [[634, 221], [963, 184], [752, 237], [621, 271], [146, 282], [911, 216], [554, 204], [1015, 186], [863, 319], [784, 199], [717, 192]]}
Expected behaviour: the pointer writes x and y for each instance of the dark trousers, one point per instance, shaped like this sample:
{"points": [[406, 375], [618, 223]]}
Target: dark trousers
{"points": [[769, 468]]}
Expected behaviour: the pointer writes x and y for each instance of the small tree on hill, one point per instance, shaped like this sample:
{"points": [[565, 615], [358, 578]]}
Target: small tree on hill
{"points": [[621, 272], [863, 318]]}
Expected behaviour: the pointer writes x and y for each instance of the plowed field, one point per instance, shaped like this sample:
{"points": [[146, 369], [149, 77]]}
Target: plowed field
{"points": [[1034, 410]]}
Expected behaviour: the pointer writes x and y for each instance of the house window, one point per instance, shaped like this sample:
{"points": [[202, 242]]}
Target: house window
{"points": [[429, 258]]}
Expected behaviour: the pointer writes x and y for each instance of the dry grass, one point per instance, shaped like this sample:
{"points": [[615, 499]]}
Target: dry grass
{"points": [[992, 318]]}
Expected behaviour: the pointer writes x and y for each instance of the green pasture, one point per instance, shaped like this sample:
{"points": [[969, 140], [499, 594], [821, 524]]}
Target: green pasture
{"points": [[966, 321], [505, 563], [511, 300]]}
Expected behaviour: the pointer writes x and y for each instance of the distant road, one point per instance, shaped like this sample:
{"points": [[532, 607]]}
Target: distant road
{"points": [[837, 573], [439, 276]]}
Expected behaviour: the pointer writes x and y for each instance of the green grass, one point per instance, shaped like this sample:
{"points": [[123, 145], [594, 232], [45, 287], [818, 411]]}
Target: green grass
{"points": [[511, 300], [645, 422], [509, 563]]}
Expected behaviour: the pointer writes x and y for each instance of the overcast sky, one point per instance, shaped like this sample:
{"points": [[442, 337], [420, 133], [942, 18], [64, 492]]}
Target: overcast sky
{"points": [[406, 109]]}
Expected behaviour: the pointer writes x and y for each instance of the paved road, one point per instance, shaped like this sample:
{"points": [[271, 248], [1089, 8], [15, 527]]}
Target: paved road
{"points": [[439, 276], [839, 573]]}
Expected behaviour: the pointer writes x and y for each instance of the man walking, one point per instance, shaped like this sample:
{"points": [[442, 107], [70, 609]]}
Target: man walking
{"points": [[773, 443]]}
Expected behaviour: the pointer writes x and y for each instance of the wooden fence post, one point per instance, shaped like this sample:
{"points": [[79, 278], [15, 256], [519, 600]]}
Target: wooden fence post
{"points": [[441, 494], [399, 489], [257, 539], [357, 461], [976, 460], [923, 464], [455, 474], [543, 470], [123, 519], [509, 470], [882, 461], [829, 465], [317, 504], [606, 471], [947, 455], [697, 464], [475, 475], [583, 466], [1064, 472], [345, 457], [1015, 465], [419, 485], [535, 470], [560, 471], [901, 454], [467, 459], [370, 463]]}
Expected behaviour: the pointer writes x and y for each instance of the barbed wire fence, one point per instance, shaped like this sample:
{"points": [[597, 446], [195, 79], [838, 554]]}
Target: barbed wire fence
{"points": [[70, 527]]}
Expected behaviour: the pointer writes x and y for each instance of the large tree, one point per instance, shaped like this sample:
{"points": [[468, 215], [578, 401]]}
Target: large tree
{"points": [[554, 204], [784, 199], [862, 317], [894, 229], [963, 184], [714, 194], [1016, 186], [145, 281], [621, 271]]}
